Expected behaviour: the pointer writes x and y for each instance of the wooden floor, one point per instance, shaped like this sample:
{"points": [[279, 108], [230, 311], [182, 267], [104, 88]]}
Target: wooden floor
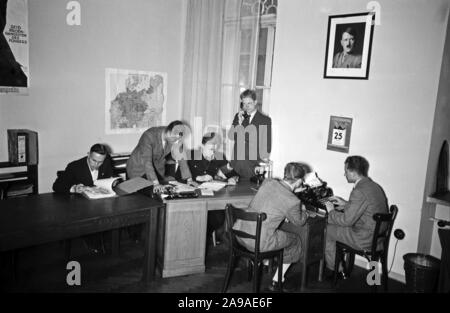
{"points": [[43, 269]]}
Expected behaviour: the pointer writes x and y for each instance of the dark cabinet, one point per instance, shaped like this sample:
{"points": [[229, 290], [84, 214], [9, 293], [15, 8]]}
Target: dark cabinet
{"points": [[18, 180]]}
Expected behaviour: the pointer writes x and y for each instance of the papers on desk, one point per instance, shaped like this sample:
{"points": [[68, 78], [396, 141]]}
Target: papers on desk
{"points": [[312, 180], [103, 188], [180, 187], [207, 192], [213, 185]]}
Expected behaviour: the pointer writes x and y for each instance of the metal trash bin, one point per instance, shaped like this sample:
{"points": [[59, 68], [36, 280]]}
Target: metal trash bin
{"points": [[421, 272]]}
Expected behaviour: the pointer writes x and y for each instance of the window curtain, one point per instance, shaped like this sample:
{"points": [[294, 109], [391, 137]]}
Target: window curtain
{"points": [[221, 40]]}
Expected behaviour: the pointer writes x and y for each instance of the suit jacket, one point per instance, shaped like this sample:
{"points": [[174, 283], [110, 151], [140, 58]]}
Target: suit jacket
{"points": [[256, 140], [78, 172], [356, 220], [149, 157], [341, 60], [276, 200]]}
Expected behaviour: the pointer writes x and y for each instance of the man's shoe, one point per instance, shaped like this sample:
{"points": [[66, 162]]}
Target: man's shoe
{"points": [[274, 287]]}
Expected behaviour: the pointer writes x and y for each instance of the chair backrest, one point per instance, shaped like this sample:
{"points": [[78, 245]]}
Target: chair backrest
{"points": [[232, 214], [383, 229]]}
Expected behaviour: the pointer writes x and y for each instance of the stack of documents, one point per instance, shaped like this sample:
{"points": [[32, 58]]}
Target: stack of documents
{"points": [[213, 185]]}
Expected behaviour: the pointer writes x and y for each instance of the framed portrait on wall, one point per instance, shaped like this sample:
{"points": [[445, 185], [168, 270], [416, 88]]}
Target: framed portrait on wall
{"points": [[339, 134], [349, 45]]}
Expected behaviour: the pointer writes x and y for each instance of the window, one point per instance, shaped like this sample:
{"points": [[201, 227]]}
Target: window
{"points": [[249, 37]]}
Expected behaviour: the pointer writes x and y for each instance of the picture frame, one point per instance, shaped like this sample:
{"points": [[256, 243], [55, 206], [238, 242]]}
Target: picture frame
{"points": [[339, 133], [349, 45]]}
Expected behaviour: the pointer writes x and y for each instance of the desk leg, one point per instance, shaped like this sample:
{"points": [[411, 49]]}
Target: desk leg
{"points": [[151, 230], [321, 270], [115, 242]]}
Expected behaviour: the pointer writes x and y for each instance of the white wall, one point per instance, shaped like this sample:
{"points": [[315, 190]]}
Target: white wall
{"points": [[66, 99], [392, 111]]}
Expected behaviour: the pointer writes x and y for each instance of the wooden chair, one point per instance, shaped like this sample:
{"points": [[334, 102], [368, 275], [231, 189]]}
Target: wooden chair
{"points": [[377, 252], [237, 250]]}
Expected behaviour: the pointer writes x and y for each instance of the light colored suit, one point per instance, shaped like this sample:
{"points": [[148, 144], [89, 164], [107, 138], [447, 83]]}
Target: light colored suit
{"points": [[149, 157], [355, 225], [275, 199]]}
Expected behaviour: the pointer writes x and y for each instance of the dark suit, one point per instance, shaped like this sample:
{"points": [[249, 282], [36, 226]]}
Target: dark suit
{"points": [[78, 172], [355, 225], [255, 138], [276, 199], [149, 157]]}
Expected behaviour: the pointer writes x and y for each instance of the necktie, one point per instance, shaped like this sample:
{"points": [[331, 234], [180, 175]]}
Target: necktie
{"points": [[245, 122]]}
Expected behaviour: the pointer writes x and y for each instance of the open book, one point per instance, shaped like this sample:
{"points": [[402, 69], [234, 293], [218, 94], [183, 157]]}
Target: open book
{"points": [[103, 188]]}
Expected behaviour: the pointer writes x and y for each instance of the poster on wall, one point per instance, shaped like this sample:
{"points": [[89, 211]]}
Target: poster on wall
{"points": [[14, 62], [135, 100], [339, 133]]}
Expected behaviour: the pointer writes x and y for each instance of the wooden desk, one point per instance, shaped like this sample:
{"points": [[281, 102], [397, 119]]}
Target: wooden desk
{"points": [[182, 236], [49, 217], [313, 235]]}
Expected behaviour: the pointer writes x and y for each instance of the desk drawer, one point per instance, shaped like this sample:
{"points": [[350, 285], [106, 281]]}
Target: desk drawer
{"points": [[220, 204]]}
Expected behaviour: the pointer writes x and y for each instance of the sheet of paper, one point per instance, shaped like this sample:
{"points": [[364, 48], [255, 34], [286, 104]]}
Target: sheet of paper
{"points": [[207, 192], [213, 185], [180, 187], [312, 180]]}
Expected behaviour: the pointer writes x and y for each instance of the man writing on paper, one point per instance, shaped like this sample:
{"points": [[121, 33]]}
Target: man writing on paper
{"points": [[82, 174], [207, 164]]}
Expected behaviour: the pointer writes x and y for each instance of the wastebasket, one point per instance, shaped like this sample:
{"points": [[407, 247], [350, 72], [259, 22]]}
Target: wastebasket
{"points": [[421, 272]]}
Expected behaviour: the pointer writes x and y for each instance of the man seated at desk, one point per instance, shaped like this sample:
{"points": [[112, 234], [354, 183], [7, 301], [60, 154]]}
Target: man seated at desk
{"points": [[207, 164], [352, 221], [83, 173], [275, 197]]}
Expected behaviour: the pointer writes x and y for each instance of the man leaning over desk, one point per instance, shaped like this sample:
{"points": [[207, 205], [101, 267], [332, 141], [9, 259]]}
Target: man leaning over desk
{"points": [[156, 147]]}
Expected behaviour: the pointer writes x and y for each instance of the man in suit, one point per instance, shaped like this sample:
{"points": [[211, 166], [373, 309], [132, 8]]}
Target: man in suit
{"points": [[347, 57], [252, 134], [84, 172], [81, 174], [276, 198], [155, 148], [352, 221]]}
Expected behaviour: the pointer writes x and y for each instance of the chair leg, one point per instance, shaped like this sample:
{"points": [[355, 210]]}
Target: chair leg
{"points": [[337, 261], [249, 269], [349, 264], [280, 272], [230, 270], [385, 277], [256, 268]]}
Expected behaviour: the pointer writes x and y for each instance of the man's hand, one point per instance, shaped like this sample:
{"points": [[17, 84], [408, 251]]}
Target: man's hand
{"points": [[240, 117], [329, 205], [203, 178], [233, 180], [158, 188], [79, 188], [337, 200], [192, 183]]}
